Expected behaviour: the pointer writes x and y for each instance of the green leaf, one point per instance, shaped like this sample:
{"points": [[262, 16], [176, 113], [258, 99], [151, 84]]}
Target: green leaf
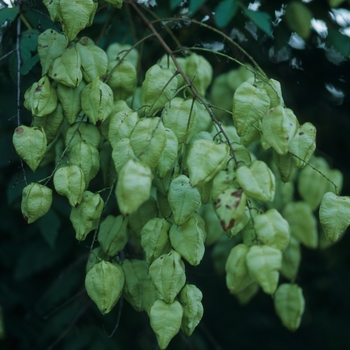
{"points": [[28, 65], [338, 41], [261, 19], [8, 14], [196, 4], [28, 44], [49, 225], [174, 4], [225, 11]]}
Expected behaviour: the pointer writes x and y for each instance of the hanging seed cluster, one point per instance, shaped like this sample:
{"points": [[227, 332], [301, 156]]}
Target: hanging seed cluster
{"points": [[181, 183]]}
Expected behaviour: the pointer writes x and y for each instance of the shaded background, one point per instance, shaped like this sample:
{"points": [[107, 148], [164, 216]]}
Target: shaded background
{"points": [[42, 266]]}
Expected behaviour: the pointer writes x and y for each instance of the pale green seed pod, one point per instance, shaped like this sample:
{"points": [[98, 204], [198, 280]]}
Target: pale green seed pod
{"points": [[66, 69], [240, 225], [165, 321], [122, 78], [122, 153], [230, 207], [245, 295], [104, 284], [213, 227], [263, 263], [312, 184], [272, 229], [199, 71], [237, 273], [334, 215], [75, 16], [250, 104], [163, 205], [138, 290], [51, 45], [82, 132], [179, 115], [303, 144], [71, 100], [86, 157], [191, 299], [30, 144], [97, 101], [51, 123], [69, 181], [41, 98], [274, 91], [221, 96], [336, 178], [169, 154], [112, 234], [289, 304], [133, 187], [158, 88], [257, 181], [184, 199], [203, 118], [155, 238], [236, 77], [205, 159], [86, 216], [53, 6], [286, 165], [302, 223], [223, 180], [121, 125], [279, 126], [166, 62], [94, 60], [168, 275], [95, 257], [148, 140], [291, 259], [188, 239], [36, 201], [117, 51]]}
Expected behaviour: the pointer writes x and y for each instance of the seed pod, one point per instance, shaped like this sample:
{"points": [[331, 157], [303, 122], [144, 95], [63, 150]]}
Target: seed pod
{"points": [[86, 216], [66, 69], [158, 88], [302, 223], [168, 275], [289, 304], [263, 263], [336, 179], [155, 238], [69, 181], [221, 95], [236, 77], [97, 101], [53, 6], [70, 99], [245, 295], [41, 98], [86, 157], [205, 160], [279, 127], [94, 60], [36, 201], [212, 224], [76, 15], [199, 71], [51, 45], [298, 17], [223, 180], [122, 153], [133, 187], [104, 284], [334, 215], [179, 115], [188, 239], [82, 132], [95, 257], [117, 51], [165, 321], [286, 165], [274, 91], [184, 199], [122, 78], [191, 297], [237, 273], [240, 225], [291, 259], [148, 140], [203, 118], [250, 104], [272, 229], [30, 144], [230, 207], [163, 205], [138, 290], [257, 181], [51, 123], [112, 234], [121, 125], [303, 144]]}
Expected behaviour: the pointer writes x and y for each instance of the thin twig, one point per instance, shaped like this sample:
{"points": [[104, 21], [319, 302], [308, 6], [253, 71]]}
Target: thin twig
{"points": [[7, 54]]}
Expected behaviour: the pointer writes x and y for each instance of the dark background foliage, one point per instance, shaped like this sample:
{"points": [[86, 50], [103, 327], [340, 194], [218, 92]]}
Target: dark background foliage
{"points": [[42, 266]]}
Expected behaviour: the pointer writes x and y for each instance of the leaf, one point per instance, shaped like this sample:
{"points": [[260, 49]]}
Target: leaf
{"points": [[196, 4], [225, 11], [261, 19], [27, 66], [174, 4], [8, 14], [28, 44], [49, 226], [338, 41]]}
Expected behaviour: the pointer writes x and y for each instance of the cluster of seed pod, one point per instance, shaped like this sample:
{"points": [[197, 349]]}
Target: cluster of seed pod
{"points": [[179, 184]]}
